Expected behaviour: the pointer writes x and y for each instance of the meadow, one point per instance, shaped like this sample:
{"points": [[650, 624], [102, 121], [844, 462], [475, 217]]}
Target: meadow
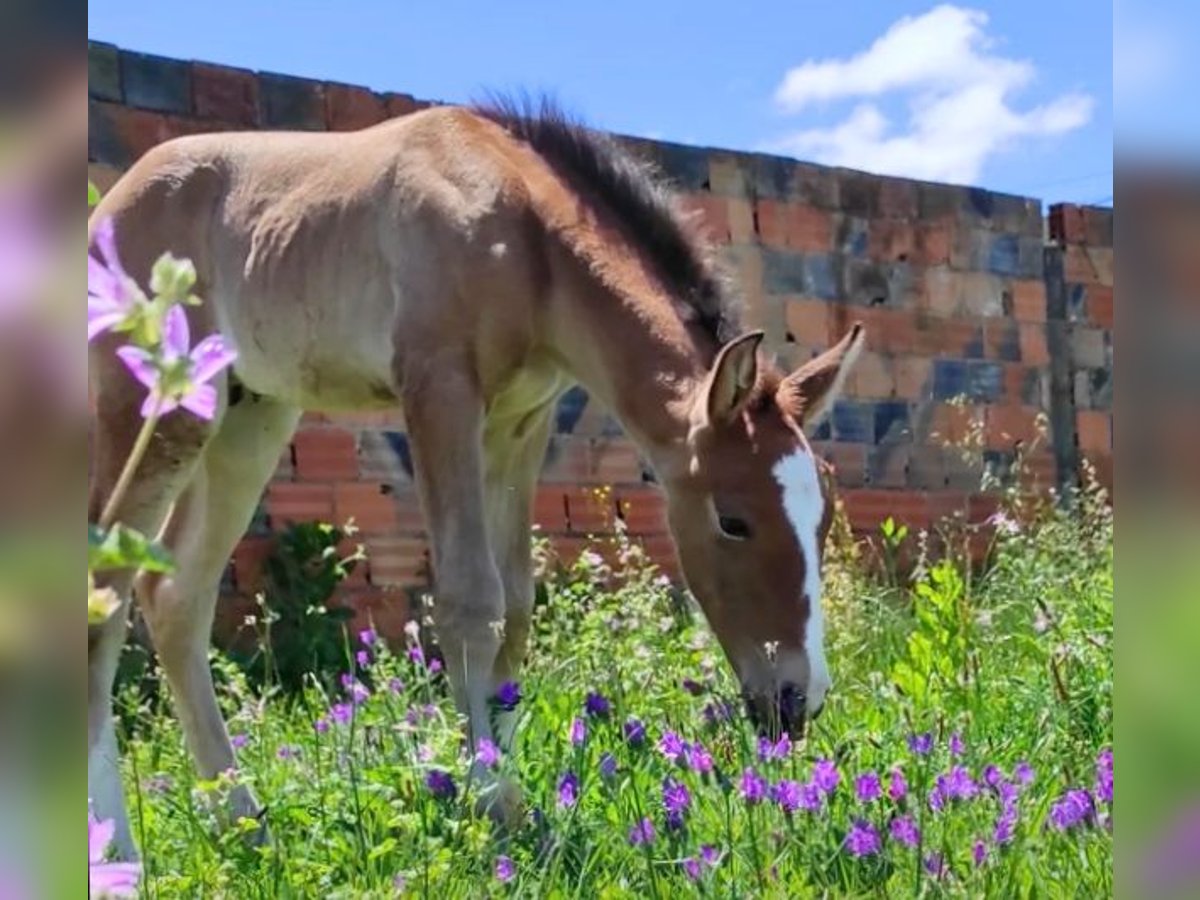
{"points": [[964, 751]]}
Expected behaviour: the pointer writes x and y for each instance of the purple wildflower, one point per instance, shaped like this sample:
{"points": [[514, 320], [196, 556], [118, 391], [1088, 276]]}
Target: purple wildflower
{"points": [[935, 864], [956, 784], [710, 856], [691, 868], [867, 787], [608, 765], [979, 852], [992, 776], [363, 658], [435, 666], [341, 712], [675, 799], [568, 790], [487, 753], [957, 748], [698, 758], [769, 750], [1104, 777], [417, 655], [505, 869], [359, 693], [179, 376], [112, 294], [753, 787], [1005, 826], [671, 746], [642, 833], [715, 712], [596, 705], [904, 831], [114, 879], [395, 685], [238, 741], [286, 752], [508, 695], [897, 785], [787, 794], [863, 839], [441, 784], [578, 732], [811, 797], [1023, 772], [921, 744], [321, 725], [635, 732], [825, 775], [692, 686], [367, 637], [1072, 809]]}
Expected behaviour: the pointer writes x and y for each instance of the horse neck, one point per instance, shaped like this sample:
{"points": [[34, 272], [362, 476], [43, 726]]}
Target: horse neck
{"points": [[631, 351]]}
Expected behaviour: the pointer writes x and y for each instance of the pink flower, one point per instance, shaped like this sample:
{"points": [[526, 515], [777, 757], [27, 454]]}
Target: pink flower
{"points": [[112, 294], [179, 377], [113, 879]]}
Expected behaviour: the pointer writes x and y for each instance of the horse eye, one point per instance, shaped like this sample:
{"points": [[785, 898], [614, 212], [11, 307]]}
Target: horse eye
{"points": [[731, 527]]}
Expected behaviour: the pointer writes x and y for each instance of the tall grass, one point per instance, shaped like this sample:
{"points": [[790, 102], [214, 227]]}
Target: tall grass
{"points": [[1005, 671]]}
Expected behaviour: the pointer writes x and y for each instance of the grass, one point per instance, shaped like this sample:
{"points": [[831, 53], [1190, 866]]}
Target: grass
{"points": [[1016, 663]]}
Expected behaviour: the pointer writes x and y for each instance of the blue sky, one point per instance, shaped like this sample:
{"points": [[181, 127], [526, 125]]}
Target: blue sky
{"points": [[1014, 95]]}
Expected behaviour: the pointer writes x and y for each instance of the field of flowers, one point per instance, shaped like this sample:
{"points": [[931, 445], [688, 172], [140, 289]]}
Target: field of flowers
{"points": [[966, 750]]}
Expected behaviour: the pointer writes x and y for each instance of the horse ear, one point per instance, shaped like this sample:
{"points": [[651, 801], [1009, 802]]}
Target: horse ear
{"points": [[731, 379], [809, 392]]}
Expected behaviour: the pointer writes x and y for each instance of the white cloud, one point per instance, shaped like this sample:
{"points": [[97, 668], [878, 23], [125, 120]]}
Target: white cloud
{"points": [[957, 91]]}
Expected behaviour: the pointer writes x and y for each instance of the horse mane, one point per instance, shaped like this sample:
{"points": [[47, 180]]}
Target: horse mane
{"points": [[640, 199]]}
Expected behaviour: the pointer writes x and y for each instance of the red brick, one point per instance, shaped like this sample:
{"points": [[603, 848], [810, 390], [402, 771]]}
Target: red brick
{"points": [[590, 510], [249, 560], [1067, 224], [1034, 350], [809, 229], [138, 130], [892, 240], [712, 214], [289, 502], [644, 510], [224, 93], [387, 611], [888, 330], [349, 108], [325, 454], [871, 377], [944, 505], [933, 242], [410, 519], [1004, 425], [866, 508], [849, 462], [402, 104], [571, 458], [1029, 300], [953, 424], [615, 461], [1079, 267], [942, 289], [808, 322], [937, 336], [373, 511], [1100, 305], [772, 224], [550, 509], [1095, 431], [897, 198], [912, 376], [397, 561]]}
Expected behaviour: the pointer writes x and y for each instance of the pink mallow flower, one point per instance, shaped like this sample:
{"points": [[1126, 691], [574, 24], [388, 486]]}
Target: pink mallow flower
{"points": [[179, 377], [108, 879]]}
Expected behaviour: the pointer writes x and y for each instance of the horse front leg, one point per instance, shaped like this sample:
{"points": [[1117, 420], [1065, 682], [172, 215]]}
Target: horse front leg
{"points": [[445, 417]]}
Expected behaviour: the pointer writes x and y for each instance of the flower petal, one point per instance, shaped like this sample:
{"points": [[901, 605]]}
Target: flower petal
{"points": [[100, 835], [164, 404], [101, 282], [176, 338], [201, 400], [100, 321], [114, 879], [105, 239], [139, 362], [209, 357]]}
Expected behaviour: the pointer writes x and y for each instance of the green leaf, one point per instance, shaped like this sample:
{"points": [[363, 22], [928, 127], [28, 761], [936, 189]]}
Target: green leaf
{"points": [[124, 548], [93, 194]]}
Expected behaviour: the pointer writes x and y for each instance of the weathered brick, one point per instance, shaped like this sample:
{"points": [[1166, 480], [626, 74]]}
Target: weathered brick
{"points": [[927, 467], [893, 239], [888, 330], [325, 454], [852, 235], [985, 381], [401, 104], [859, 193], [808, 322], [849, 461], [249, 560], [156, 82], [568, 458], [373, 510], [685, 166], [897, 198], [730, 174], [871, 377], [119, 135], [1067, 224], [291, 103], [1002, 339], [1100, 306], [941, 291], [349, 108], [950, 378], [386, 610], [934, 241], [982, 294], [397, 561], [1089, 347], [550, 508], [1094, 430], [713, 213], [1009, 423], [289, 502], [887, 466], [1032, 338], [616, 461], [225, 94], [104, 72], [912, 376], [853, 422], [783, 272], [891, 422], [589, 510], [643, 509], [1028, 300], [741, 220]]}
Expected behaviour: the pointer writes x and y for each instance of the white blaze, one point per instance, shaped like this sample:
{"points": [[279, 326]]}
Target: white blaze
{"points": [[804, 506]]}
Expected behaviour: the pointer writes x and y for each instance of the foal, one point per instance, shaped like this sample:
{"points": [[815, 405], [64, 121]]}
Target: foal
{"points": [[467, 266]]}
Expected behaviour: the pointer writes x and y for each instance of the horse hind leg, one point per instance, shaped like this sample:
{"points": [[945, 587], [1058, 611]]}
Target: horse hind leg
{"points": [[165, 469], [204, 528]]}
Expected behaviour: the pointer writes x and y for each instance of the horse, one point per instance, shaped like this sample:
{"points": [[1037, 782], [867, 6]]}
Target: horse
{"points": [[466, 265]]}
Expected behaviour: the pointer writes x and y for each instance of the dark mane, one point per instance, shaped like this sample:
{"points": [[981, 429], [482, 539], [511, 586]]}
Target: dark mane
{"points": [[639, 198]]}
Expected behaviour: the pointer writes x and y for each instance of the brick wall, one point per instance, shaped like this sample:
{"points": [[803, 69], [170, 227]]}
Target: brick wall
{"points": [[965, 292]]}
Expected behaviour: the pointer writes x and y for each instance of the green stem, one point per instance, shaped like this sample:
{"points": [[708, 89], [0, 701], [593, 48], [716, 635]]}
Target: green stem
{"points": [[135, 457]]}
